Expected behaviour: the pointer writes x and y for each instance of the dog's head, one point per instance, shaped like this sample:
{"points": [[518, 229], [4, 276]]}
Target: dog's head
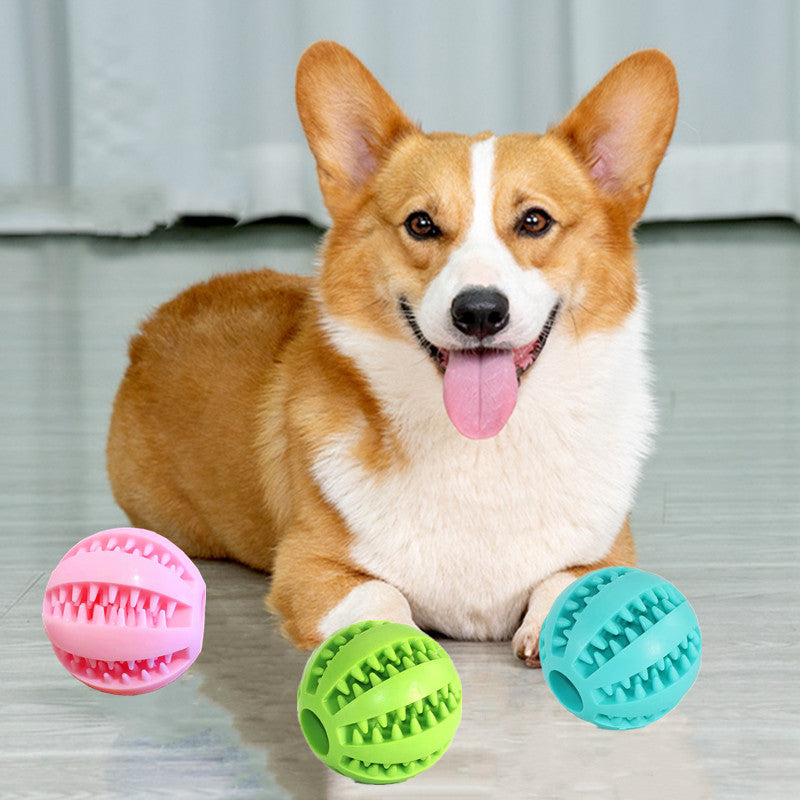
{"points": [[474, 247]]}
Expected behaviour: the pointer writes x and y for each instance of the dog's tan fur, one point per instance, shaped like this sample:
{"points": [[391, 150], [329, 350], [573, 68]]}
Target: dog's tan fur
{"points": [[234, 386]]}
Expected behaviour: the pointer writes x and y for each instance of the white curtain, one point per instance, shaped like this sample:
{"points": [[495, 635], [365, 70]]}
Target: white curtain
{"points": [[121, 116]]}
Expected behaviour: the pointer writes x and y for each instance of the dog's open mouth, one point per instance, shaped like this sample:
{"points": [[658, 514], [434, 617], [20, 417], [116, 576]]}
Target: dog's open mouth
{"points": [[480, 385]]}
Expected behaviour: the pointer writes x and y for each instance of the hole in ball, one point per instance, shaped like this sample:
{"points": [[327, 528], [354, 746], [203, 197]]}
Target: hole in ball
{"points": [[314, 732], [566, 693]]}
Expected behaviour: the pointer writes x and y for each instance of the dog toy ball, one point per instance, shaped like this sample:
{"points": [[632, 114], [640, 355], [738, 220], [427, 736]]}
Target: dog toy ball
{"points": [[379, 702], [124, 610], [620, 648]]}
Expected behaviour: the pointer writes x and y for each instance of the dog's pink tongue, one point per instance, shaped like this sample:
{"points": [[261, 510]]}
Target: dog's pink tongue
{"points": [[480, 391]]}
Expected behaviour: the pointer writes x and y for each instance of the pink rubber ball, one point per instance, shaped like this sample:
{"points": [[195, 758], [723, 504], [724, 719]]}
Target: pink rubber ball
{"points": [[125, 610]]}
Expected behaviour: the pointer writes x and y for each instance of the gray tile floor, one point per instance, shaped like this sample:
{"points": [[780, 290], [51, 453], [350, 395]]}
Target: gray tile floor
{"points": [[718, 514]]}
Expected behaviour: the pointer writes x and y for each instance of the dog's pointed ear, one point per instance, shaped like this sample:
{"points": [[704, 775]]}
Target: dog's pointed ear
{"points": [[621, 129], [349, 120]]}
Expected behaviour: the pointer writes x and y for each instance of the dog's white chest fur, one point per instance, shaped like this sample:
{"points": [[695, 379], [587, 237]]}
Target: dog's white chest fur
{"points": [[466, 529]]}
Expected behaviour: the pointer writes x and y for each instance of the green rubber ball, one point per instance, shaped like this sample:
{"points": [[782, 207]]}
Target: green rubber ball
{"points": [[379, 702]]}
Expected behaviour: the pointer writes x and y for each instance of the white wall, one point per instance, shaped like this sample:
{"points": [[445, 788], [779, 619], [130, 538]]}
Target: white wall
{"points": [[119, 116]]}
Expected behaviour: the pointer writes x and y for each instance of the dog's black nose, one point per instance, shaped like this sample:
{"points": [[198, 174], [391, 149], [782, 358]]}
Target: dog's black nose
{"points": [[480, 312]]}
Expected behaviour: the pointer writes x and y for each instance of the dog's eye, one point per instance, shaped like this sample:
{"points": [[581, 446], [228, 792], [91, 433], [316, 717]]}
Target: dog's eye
{"points": [[420, 225], [534, 222]]}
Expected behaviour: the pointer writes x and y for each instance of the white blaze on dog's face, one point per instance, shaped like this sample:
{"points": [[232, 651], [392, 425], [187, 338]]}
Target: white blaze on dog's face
{"points": [[472, 249], [487, 315], [483, 262]]}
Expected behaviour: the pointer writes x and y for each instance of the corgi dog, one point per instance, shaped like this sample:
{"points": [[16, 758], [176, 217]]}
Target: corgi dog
{"points": [[445, 425]]}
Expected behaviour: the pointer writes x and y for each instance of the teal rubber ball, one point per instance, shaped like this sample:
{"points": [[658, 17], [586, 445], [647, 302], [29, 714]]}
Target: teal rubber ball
{"points": [[620, 648]]}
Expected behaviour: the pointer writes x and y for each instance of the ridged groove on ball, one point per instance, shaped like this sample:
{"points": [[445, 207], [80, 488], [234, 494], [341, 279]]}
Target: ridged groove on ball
{"points": [[617, 662], [402, 660], [137, 542], [579, 598], [123, 673]]}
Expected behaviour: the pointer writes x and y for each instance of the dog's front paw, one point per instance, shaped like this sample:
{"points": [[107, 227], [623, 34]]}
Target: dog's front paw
{"points": [[526, 640], [526, 645]]}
